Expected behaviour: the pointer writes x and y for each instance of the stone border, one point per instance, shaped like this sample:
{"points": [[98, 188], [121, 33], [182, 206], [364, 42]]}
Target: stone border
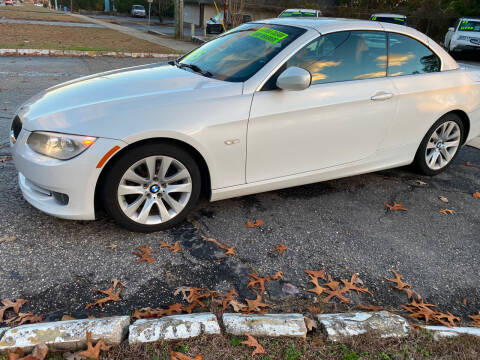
{"points": [[71, 334], [75, 53]]}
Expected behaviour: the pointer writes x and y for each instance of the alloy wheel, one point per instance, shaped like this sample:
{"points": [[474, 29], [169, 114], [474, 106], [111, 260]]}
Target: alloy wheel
{"points": [[443, 145], [154, 190]]}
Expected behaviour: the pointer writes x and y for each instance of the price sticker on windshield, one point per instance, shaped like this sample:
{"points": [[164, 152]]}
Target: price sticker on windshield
{"points": [[269, 35]]}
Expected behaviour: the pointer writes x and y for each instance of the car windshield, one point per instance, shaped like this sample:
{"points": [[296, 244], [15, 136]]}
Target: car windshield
{"points": [[298, 14], [241, 52], [391, 20], [469, 25], [138, 7]]}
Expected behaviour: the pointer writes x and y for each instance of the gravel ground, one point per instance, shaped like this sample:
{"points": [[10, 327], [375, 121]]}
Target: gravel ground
{"points": [[341, 226]]}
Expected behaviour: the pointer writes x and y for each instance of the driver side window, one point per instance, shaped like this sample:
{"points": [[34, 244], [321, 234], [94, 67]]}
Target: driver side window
{"points": [[344, 56]]}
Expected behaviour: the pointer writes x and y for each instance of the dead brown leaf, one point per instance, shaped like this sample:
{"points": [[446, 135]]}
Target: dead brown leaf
{"points": [[111, 295], [5, 239], [252, 342], [256, 305], [93, 352], [476, 195], [309, 323], [476, 319], [256, 223], [179, 356], [399, 283], [315, 310], [174, 248], [14, 305], [144, 254], [395, 206], [278, 275], [447, 211], [257, 280], [280, 248], [352, 285], [228, 251], [67, 317], [443, 198], [112, 246], [468, 163]]}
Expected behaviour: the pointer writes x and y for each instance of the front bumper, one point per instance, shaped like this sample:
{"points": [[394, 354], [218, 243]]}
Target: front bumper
{"points": [[465, 46], [65, 189]]}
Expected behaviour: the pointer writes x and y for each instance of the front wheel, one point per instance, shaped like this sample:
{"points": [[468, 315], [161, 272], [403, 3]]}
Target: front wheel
{"points": [[440, 145], [152, 187]]}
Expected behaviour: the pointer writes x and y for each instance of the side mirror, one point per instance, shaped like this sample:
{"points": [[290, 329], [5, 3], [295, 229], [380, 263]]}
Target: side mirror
{"points": [[451, 29], [294, 79]]}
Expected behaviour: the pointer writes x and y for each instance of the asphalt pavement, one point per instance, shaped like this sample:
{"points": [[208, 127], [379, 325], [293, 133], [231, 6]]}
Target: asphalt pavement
{"points": [[341, 226]]}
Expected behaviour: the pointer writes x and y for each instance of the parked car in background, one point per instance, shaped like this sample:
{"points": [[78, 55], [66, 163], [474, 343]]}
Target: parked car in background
{"points": [[138, 11], [214, 24], [465, 35], [268, 105], [390, 18], [300, 13]]}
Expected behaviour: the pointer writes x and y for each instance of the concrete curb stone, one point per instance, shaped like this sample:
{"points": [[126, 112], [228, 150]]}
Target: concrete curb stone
{"points": [[291, 325], [78, 53], [173, 327], [341, 325], [66, 335], [445, 331]]}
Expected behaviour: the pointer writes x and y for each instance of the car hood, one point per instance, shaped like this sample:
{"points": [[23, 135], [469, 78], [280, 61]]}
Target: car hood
{"points": [[92, 98], [470, 34]]}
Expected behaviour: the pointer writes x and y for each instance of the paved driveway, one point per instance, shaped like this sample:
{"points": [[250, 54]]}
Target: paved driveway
{"points": [[339, 225]]}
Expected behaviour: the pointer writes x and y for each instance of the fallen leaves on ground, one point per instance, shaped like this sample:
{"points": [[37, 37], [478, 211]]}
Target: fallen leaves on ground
{"points": [[252, 342], [468, 163], [111, 295], [476, 195], [179, 356], [40, 352], [447, 211], [257, 280], [333, 288], [24, 318], [93, 352], [149, 313], [112, 246], [144, 254], [370, 307], [256, 223], [420, 310], [5, 239], [226, 298], [315, 310], [280, 248], [193, 295], [443, 198], [67, 317], [174, 248], [309, 323], [256, 305], [228, 251], [476, 319], [395, 207], [5, 158], [278, 275], [13, 305]]}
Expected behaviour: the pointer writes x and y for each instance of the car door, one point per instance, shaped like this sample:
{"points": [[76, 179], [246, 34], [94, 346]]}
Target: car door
{"points": [[341, 118]]}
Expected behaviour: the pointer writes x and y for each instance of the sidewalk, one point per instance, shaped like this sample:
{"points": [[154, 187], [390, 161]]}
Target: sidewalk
{"points": [[177, 45]]}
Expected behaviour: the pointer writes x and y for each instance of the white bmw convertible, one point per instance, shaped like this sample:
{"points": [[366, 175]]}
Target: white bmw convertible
{"points": [[267, 105]]}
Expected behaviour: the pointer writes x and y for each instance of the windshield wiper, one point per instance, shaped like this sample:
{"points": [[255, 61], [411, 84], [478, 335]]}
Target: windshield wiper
{"points": [[194, 68]]}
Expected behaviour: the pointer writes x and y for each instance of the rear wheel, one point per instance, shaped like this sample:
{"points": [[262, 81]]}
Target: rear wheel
{"points": [[440, 145], [152, 187]]}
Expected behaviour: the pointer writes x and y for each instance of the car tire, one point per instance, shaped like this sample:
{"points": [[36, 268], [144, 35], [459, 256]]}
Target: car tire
{"points": [[166, 202], [437, 152]]}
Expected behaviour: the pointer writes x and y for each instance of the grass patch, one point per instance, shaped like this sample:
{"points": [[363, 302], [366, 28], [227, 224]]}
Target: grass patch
{"points": [[416, 346], [30, 12], [20, 36]]}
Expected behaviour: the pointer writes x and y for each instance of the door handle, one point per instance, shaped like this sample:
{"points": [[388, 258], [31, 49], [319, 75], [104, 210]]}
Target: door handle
{"points": [[382, 95]]}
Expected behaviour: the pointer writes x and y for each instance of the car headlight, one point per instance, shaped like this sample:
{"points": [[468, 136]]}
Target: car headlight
{"points": [[462, 37], [59, 146]]}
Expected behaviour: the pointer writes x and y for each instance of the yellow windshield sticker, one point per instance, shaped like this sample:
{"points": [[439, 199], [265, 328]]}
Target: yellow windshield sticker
{"points": [[269, 35]]}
